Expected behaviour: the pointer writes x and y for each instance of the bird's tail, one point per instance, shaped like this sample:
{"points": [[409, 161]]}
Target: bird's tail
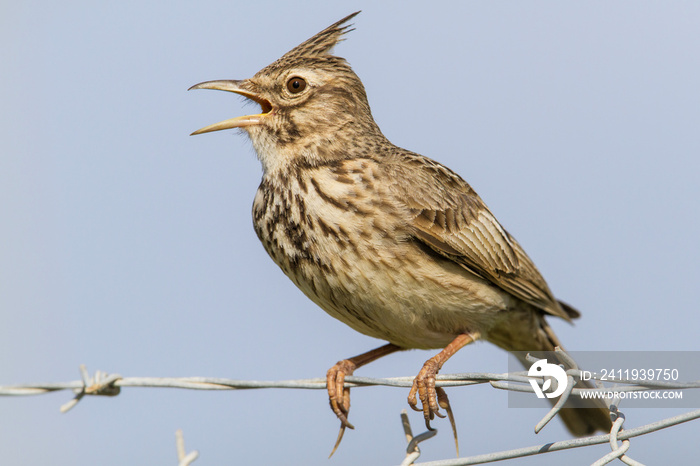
{"points": [[582, 416]]}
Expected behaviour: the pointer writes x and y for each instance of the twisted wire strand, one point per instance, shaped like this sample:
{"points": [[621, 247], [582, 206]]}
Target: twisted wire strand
{"points": [[104, 384]]}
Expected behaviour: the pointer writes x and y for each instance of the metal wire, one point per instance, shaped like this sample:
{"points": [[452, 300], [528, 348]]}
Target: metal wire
{"points": [[103, 384], [566, 444]]}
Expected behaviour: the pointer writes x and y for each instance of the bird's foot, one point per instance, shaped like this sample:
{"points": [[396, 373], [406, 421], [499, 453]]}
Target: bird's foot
{"points": [[424, 386], [432, 398], [339, 395]]}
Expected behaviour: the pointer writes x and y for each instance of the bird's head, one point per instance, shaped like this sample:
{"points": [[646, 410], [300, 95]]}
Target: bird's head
{"points": [[310, 101]]}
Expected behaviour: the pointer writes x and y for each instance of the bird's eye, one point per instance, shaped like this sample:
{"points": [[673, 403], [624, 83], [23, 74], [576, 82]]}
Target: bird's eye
{"points": [[296, 85]]}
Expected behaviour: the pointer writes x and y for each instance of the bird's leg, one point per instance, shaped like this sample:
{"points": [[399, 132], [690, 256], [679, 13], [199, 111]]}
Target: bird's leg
{"points": [[339, 394], [424, 383]]}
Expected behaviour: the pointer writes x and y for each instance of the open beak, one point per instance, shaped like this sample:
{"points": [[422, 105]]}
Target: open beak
{"points": [[238, 122]]}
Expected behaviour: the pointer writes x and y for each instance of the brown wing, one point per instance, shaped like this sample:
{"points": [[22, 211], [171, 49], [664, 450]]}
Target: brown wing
{"points": [[449, 217]]}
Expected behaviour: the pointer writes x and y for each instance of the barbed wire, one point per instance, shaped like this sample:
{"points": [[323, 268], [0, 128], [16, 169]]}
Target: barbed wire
{"points": [[104, 384]]}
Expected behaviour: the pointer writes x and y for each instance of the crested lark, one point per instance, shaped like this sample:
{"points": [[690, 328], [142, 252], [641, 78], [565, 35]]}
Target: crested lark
{"points": [[392, 243]]}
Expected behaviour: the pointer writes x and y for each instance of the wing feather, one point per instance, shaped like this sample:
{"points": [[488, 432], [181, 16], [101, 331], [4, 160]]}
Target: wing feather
{"points": [[448, 216]]}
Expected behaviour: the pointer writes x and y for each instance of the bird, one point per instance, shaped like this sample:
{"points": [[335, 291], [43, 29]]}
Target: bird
{"points": [[390, 242]]}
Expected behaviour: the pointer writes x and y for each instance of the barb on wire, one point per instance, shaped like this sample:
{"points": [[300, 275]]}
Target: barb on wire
{"points": [[564, 396], [184, 459], [100, 384], [412, 450]]}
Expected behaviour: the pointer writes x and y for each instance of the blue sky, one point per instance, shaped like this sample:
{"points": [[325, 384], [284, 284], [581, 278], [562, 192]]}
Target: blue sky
{"points": [[127, 245]]}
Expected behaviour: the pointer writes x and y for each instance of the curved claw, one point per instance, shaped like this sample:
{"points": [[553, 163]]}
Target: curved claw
{"points": [[412, 402], [340, 438], [444, 403]]}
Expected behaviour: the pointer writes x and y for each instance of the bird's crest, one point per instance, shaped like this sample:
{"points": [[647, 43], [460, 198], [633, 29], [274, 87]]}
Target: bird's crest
{"points": [[320, 44]]}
